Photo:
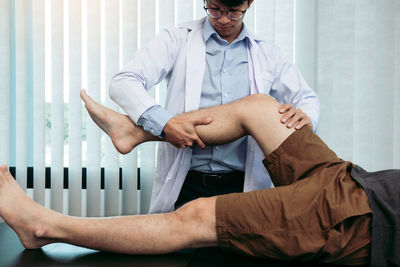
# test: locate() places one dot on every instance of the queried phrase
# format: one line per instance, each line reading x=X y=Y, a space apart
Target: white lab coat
x=178 y=55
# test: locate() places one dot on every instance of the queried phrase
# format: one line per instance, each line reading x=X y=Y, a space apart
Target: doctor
x=208 y=62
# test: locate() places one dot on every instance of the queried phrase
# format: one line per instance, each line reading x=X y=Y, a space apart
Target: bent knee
x=258 y=104
x=262 y=100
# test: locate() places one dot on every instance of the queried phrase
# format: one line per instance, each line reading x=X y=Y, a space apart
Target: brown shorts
x=317 y=211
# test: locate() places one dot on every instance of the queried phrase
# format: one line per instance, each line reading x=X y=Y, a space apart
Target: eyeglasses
x=216 y=13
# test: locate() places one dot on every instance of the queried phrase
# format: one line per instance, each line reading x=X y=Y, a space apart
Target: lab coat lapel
x=254 y=68
x=195 y=67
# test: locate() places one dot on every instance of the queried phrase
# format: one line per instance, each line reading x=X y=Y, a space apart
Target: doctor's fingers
x=284 y=108
x=288 y=114
x=302 y=123
x=202 y=121
x=191 y=141
x=199 y=142
x=299 y=120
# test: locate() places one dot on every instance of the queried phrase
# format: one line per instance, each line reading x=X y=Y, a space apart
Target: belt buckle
x=216 y=177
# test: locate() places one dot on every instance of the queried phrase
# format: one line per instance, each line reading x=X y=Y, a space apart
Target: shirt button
x=152 y=131
x=226 y=94
x=217 y=147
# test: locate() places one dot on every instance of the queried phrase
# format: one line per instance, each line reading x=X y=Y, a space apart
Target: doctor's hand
x=294 y=117
x=180 y=130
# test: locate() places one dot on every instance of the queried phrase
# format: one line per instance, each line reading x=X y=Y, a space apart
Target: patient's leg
x=193 y=225
x=256 y=115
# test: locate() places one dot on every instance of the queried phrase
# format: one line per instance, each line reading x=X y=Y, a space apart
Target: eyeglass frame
x=224 y=11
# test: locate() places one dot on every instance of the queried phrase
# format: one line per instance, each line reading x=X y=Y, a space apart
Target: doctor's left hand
x=294 y=117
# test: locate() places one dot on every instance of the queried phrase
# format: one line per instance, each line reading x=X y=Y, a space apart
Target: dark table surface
x=12 y=253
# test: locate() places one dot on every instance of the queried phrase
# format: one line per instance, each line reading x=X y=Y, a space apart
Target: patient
x=321 y=209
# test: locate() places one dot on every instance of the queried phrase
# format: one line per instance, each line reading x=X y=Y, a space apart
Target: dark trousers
x=198 y=184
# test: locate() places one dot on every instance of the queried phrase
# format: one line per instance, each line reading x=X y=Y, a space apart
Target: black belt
x=215 y=179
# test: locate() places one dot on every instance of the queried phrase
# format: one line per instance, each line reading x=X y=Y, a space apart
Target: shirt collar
x=209 y=31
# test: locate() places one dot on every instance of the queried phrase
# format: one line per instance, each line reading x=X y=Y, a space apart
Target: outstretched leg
x=256 y=115
x=191 y=226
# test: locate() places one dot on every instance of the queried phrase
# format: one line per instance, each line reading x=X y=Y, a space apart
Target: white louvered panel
x=129 y=183
x=184 y=11
x=306 y=43
x=396 y=99
x=166 y=14
x=198 y=9
x=147 y=150
x=39 y=108
x=21 y=89
x=284 y=27
x=93 y=89
x=111 y=64
x=57 y=105
x=5 y=81
x=250 y=18
x=364 y=79
x=343 y=77
x=325 y=67
x=384 y=84
x=265 y=19
x=75 y=108
x=129 y=11
x=166 y=20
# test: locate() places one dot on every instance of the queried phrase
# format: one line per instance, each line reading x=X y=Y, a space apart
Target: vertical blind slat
x=396 y=99
x=147 y=150
x=325 y=67
x=166 y=14
x=265 y=22
x=39 y=143
x=111 y=67
x=93 y=88
x=199 y=10
x=166 y=20
x=384 y=84
x=250 y=18
x=57 y=105
x=305 y=39
x=364 y=79
x=21 y=84
x=75 y=108
x=184 y=11
x=343 y=76
x=130 y=29
x=5 y=81
x=284 y=27
x=129 y=183
x=129 y=162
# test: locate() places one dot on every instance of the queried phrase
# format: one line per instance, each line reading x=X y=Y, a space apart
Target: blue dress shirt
x=225 y=80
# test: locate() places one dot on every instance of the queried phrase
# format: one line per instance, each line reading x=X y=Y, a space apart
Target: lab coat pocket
x=267 y=80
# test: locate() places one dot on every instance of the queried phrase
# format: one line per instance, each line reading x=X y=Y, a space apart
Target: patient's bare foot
x=124 y=133
x=27 y=218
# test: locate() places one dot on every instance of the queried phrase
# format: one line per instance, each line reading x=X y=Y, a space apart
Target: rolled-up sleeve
x=151 y=64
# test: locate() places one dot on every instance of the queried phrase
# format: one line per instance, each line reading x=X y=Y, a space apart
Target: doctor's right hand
x=180 y=131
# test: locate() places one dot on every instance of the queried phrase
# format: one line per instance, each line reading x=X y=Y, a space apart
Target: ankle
x=42 y=232
x=48 y=229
